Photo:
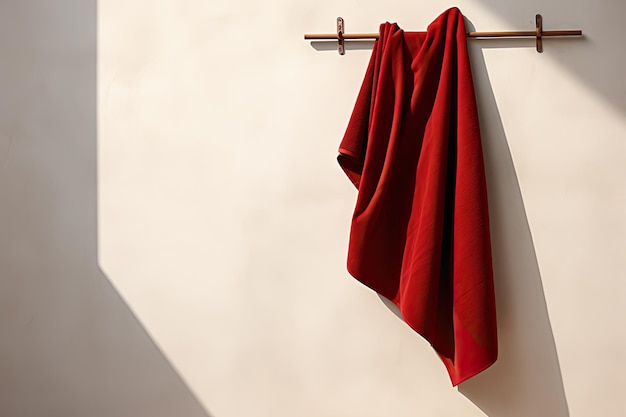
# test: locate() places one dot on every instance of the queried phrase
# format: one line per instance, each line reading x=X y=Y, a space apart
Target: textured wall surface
x=174 y=225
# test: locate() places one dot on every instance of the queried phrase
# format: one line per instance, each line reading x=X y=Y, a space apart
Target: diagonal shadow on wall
x=69 y=345
x=596 y=60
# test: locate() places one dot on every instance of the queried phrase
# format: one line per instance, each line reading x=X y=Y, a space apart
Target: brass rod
x=524 y=33
x=345 y=36
x=512 y=34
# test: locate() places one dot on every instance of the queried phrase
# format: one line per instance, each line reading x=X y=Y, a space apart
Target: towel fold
x=420 y=229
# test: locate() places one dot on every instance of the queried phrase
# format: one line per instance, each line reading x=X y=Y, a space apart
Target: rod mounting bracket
x=539 y=29
x=340 y=31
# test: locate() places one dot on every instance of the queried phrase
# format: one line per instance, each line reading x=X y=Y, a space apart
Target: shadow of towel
x=526 y=380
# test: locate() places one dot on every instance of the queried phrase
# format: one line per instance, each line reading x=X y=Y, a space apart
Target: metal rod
x=321 y=36
x=538 y=34
x=512 y=34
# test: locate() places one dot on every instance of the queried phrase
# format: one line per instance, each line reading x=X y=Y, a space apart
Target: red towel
x=420 y=230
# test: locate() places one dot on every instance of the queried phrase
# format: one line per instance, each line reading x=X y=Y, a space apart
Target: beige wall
x=223 y=217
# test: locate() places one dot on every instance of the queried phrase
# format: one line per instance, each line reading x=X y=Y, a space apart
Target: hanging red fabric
x=420 y=229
